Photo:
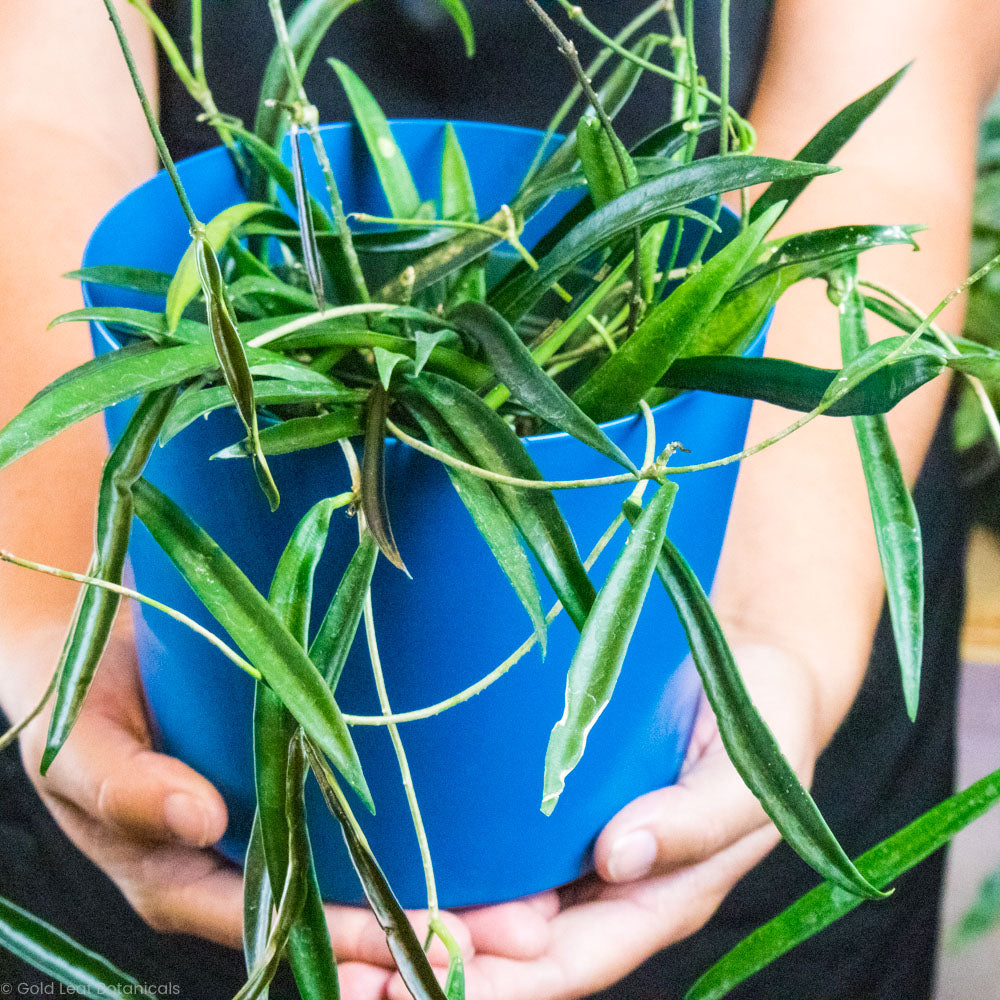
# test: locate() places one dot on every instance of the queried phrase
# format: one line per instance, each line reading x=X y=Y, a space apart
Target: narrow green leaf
x=336 y=333
x=600 y=160
x=186 y=281
x=310 y=252
x=458 y=197
x=748 y=741
x=108 y=379
x=273 y=294
x=826 y=143
x=373 y=488
x=669 y=139
x=894 y=516
x=732 y=326
x=50 y=951
x=385 y=363
x=97 y=609
x=292 y=585
x=446 y=259
x=802 y=387
x=198 y=402
x=403 y=943
x=613 y=94
x=394 y=174
x=257 y=899
x=244 y=263
x=310 y=951
x=597 y=662
x=616 y=387
x=651 y=201
x=827 y=903
x=983 y=366
x=300 y=433
x=138 y=321
x=134 y=279
x=517 y=369
x=494 y=446
x=816 y=253
x=458 y=202
x=426 y=342
x=460 y=15
x=490 y=517
x=295 y=888
x=232 y=357
x=872 y=360
x=646 y=168
x=247 y=617
x=340 y=624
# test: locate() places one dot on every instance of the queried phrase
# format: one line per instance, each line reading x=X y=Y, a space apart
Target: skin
x=799 y=519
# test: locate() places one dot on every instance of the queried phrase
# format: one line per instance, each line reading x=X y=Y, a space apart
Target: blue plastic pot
x=477 y=768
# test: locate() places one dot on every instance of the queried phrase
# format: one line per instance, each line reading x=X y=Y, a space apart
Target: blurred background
x=970 y=947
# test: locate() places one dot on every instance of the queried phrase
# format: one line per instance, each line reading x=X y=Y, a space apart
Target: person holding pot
x=122 y=859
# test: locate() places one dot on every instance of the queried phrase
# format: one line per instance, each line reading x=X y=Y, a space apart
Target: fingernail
x=185 y=818
x=632 y=856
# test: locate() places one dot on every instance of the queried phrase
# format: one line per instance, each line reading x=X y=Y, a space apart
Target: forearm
x=73 y=142
x=800 y=568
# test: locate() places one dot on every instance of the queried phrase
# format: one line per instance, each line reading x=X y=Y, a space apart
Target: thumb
x=108 y=770
x=686 y=823
x=710 y=807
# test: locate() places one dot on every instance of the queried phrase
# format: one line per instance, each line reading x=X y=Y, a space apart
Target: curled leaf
x=373 y=499
x=232 y=357
x=604 y=641
x=749 y=742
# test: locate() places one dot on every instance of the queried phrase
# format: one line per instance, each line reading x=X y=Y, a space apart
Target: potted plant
x=298 y=307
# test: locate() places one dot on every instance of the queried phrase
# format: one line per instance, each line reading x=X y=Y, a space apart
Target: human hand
x=664 y=863
x=148 y=820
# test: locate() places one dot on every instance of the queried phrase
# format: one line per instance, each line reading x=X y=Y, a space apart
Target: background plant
x=342 y=327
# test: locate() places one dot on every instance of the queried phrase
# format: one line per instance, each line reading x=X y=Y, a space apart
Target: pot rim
x=556 y=138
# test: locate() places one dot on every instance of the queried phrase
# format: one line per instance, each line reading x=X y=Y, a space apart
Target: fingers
x=356 y=936
x=710 y=807
x=108 y=771
x=683 y=824
x=518 y=930
x=362 y=982
x=595 y=944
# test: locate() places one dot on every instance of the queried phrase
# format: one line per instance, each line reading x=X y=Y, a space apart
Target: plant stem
x=404 y=767
x=725 y=55
x=154 y=127
x=575 y=13
x=523 y=649
x=724 y=115
x=509 y=233
x=197 y=52
x=925 y=325
x=134 y=595
x=194 y=82
x=652 y=472
x=15 y=730
x=613 y=45
x=568 y=49
x=311 y=123
x=989 y=410
x=322 y=316
x=494 y=675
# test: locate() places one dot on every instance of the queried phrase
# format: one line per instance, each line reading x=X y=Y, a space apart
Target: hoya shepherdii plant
x=578 y=332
